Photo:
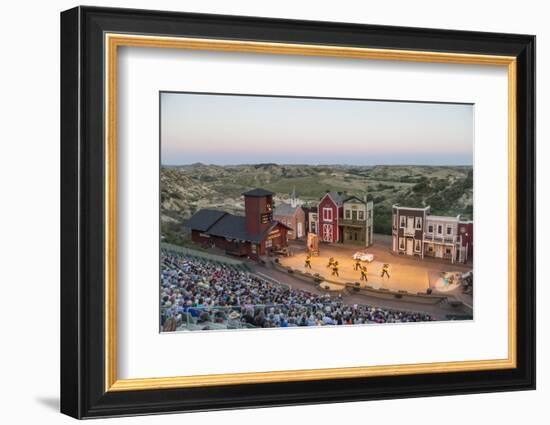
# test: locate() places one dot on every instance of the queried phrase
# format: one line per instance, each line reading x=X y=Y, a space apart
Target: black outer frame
x=82 y=219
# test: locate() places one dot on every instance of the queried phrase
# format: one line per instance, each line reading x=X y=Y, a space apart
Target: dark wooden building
x=253 y=235
x=415 y=231
x=408 y=226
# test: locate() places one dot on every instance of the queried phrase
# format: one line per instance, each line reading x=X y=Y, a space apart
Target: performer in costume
x=308 y=262
x=335 y=269
x=364 y=273
x=385 y=270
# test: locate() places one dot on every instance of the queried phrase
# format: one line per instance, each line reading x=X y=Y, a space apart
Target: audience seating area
x=202 y=294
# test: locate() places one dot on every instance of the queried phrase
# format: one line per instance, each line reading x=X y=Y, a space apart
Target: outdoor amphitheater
x=199 y=291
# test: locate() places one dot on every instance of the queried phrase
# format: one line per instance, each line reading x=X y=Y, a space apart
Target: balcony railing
x=446 y=239
x=352 y=222
x=407 y=231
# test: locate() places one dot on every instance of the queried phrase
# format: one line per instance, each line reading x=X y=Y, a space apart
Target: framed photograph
x=261 y=212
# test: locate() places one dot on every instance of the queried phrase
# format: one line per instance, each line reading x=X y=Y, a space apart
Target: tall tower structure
x=258 y=210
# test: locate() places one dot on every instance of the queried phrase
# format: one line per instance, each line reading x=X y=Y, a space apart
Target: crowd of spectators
x=203 y=292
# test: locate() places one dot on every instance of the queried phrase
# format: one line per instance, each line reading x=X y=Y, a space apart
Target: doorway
x=409 y=246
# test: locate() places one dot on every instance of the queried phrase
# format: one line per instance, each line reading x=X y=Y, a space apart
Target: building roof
x=354 y=198
x=442 y=217
x=285 y=209
x=202 y=220
x=276 y=222
x=412 y=207
x=337 y=197
x=231 y=226
x=258 y=193
x=227 y=226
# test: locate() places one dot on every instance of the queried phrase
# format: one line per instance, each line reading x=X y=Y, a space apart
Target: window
x=268 y=243
x=417 y=245
x=449 y=229
x=361 y=215
x=448 y=251
x=410 y=225
x=430 y=228
x=313 y=217
x=327 y=214
x=430 y=248
x=402 y=221
x=402 y=244
x=418 y=224
x=348 y=214
x=439 y=229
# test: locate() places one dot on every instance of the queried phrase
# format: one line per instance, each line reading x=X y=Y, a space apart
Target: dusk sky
x=228 y=129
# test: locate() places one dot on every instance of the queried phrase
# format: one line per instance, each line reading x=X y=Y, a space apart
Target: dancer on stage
x=385 y=270
x=335 y=269
x=364 y=273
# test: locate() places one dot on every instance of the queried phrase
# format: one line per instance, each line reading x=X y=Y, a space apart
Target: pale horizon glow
x=239 y=129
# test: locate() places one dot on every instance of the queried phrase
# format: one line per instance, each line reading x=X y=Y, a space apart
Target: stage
x=406 y=273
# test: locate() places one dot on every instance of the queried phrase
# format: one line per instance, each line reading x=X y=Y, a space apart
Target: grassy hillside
x=185 y=189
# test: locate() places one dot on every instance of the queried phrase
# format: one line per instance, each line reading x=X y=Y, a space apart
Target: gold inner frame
x=113 y=41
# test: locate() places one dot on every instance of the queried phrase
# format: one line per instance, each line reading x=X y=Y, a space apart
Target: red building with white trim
x=342 y=218
x=329 y=211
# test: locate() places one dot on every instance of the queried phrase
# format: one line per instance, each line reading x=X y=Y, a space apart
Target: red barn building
x=253 y=235
x=329 y=213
